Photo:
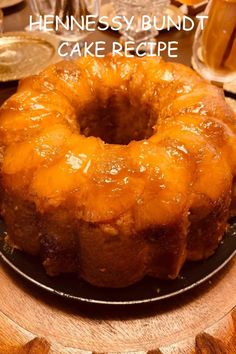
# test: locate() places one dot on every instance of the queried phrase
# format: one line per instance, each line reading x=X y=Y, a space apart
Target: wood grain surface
x=200 y=319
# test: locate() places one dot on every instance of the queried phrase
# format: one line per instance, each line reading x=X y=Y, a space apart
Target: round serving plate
x=146 y=291
x=23 y=54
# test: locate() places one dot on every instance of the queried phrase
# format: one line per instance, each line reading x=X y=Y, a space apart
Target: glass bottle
x=214 y=48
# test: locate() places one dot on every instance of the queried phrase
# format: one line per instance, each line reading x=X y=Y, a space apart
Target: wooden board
x=169 y=327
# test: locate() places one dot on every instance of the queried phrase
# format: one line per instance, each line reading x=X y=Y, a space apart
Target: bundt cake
x=117 y=168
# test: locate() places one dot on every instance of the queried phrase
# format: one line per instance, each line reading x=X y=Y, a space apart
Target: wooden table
x=202 y=319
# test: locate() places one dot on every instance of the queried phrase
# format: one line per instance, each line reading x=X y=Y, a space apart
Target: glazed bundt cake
x=117 y=168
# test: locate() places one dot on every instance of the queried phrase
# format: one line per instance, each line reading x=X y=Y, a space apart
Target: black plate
x=147 y=290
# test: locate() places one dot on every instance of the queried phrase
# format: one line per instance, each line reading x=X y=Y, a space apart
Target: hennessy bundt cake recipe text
x=116 y=168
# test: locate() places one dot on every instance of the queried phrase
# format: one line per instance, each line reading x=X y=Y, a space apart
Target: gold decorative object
x=23 y=54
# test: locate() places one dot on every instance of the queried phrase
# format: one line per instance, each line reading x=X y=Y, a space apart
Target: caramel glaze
x=116 y=168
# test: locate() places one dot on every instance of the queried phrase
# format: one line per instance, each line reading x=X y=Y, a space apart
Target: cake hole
x=117 y=120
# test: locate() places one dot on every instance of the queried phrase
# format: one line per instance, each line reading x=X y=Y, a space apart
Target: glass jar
x=69 y=12
x=214 y=48
x=136 y=9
